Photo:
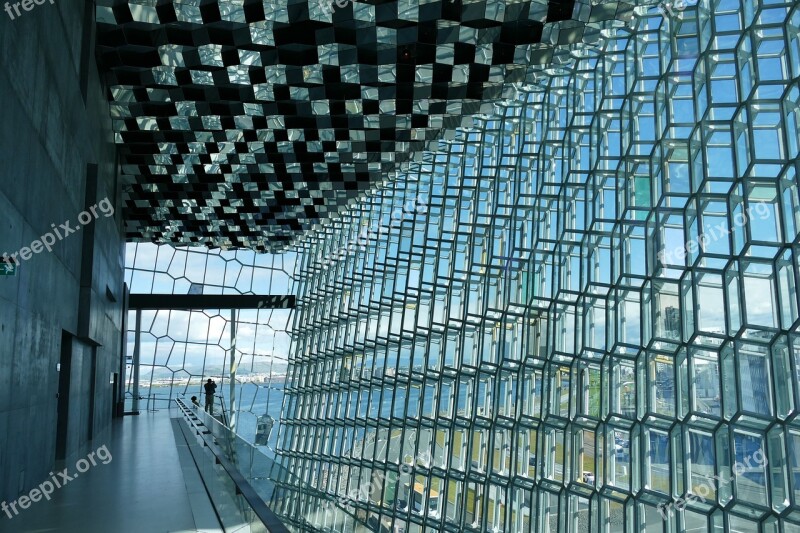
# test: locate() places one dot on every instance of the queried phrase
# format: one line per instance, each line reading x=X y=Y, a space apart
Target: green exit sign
x=8 y=268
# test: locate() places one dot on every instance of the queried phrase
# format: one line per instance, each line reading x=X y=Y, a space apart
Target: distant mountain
x=217 y=370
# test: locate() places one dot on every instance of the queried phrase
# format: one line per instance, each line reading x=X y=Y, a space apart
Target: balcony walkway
x=151 y=485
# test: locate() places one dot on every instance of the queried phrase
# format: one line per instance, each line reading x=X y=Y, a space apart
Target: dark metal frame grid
x=218 y=272
x=534 y=289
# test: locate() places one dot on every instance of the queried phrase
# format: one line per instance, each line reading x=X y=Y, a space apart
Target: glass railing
x=237 y=505
x=293 y=504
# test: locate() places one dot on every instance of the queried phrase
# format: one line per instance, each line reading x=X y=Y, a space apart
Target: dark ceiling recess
x=245 y=125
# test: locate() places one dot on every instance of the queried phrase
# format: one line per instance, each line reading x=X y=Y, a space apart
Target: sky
x=187 y=339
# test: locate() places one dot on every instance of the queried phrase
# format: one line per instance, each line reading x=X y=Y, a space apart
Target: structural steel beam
x=210 y=301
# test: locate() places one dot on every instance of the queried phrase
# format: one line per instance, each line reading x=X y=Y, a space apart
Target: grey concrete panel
x=48 y=136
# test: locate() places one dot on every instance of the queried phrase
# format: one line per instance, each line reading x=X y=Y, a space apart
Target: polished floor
x=150 y=485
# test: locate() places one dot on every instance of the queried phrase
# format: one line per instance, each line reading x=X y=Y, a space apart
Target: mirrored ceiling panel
x=244 y=124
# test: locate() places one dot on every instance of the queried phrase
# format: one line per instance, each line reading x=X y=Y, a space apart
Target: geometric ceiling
x=243 y=124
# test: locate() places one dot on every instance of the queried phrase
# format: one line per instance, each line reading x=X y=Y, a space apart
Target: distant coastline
x=255 y=378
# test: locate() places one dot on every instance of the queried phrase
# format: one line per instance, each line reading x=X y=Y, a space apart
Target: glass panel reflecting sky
x=583 y=315
x=180 y=349
x=578 y=314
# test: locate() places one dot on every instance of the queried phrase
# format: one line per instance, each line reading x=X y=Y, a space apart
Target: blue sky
x=185 y=339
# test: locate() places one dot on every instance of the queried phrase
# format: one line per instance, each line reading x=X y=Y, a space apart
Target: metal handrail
x=270 y=520
x=284 y=479
x=224 y=413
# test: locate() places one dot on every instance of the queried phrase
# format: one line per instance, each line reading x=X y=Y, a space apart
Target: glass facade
x=580 y=314
x=180 y=349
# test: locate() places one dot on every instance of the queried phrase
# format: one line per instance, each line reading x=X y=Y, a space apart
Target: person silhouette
x=211 y=388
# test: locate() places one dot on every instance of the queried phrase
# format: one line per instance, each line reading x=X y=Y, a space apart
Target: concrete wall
x=54 y=132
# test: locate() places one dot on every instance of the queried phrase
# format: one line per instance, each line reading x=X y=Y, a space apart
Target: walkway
x=142 y=489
